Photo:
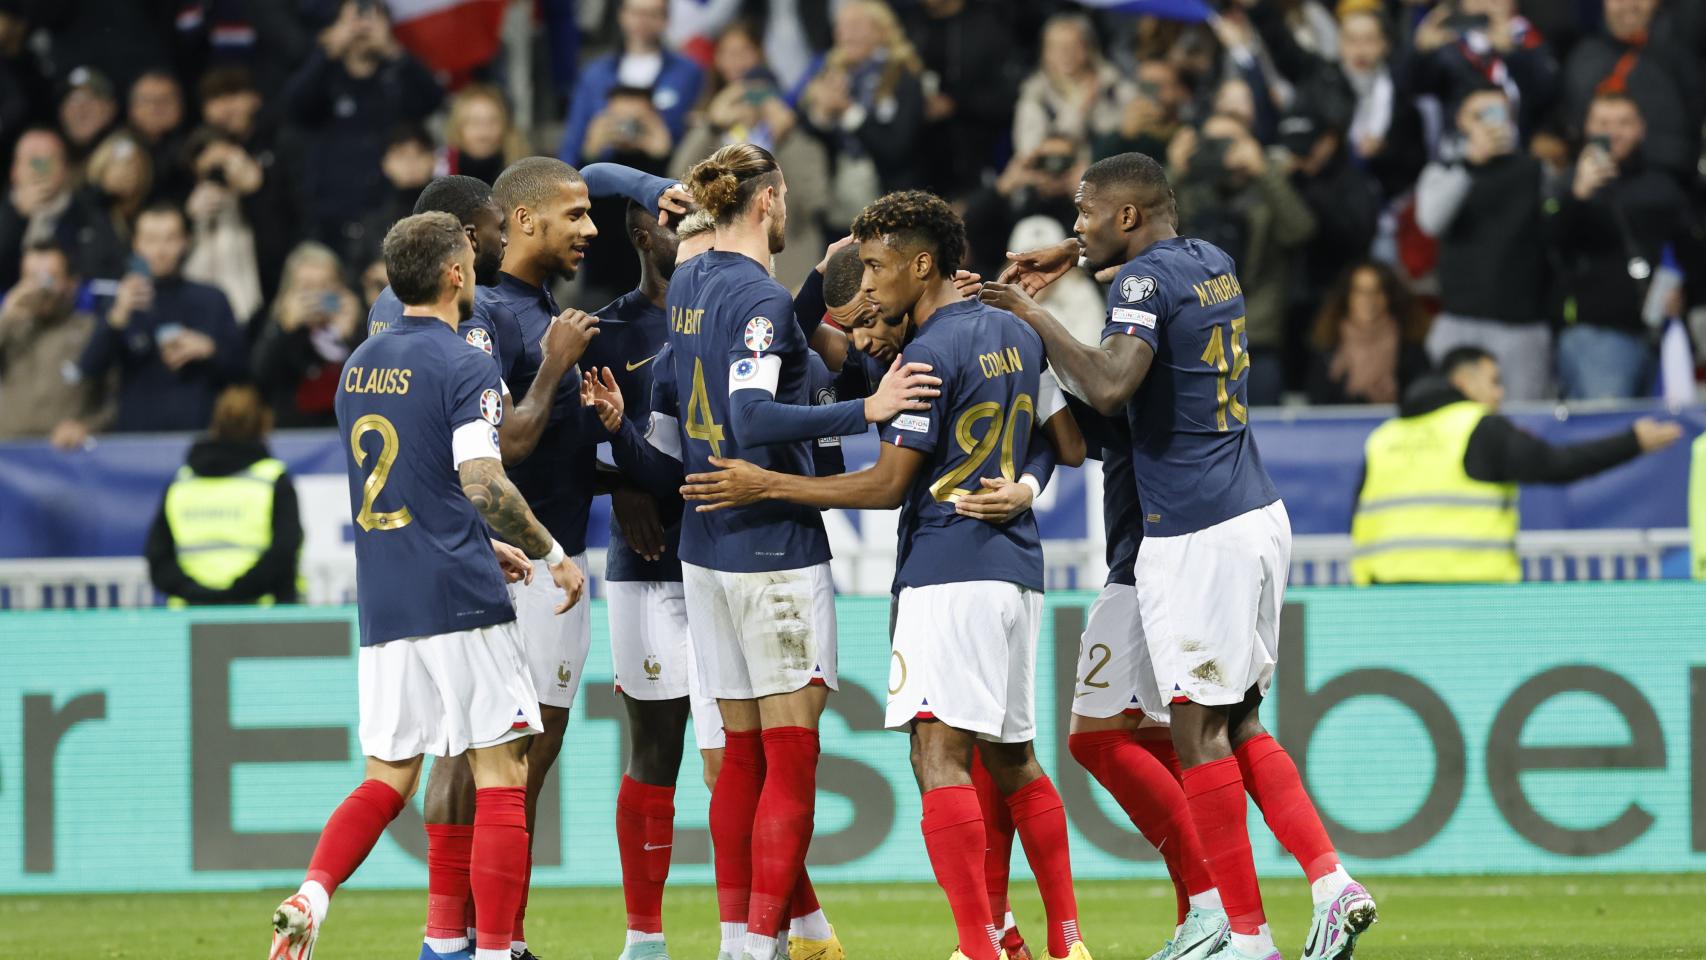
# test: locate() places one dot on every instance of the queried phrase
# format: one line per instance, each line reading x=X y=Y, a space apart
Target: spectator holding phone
x=222 y=246
x=1151 y=117
x=1644 y=53
x=173 y=341
x=1483 y=204
x=316 y=321
x=1039 y=182
x=1467 y=44
x=42 y=333
x=42 y=205
x=630 y=131
x=644 y=62
x=1385 y=133
x=1610 y=230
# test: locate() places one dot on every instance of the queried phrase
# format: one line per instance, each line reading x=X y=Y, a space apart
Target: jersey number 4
x=698 y=423
x=389 y=446
x=950 y=486
x=1225 y=385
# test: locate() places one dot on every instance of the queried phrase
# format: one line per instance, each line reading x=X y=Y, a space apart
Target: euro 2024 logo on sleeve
x=491 y=407
x=1137 y=289
x=760 y=333
x=478 y=337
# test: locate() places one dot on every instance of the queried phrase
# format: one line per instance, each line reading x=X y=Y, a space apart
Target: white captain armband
x=664 y=434
x=474 y=440
x=755 y=373
x=1050 y=398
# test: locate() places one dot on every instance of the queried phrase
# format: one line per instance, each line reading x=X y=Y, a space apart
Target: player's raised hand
x=823 y=264
x=736 y=484
x=1000 y=501
x=1011 y=297
x=567 y=574
x=513 y=562
x=637 y=517
x=1036 y=269
x=676 y=200
x=905 y=387
x=968 y=283
x=600 y=392
x=569 y=335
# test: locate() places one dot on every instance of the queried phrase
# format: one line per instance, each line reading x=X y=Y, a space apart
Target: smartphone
x=1496 y=114
x=329 y=303
x=139 y=265
x=166 y=333
x=1211 y=154
x=1601 y=143
x=1466 y=22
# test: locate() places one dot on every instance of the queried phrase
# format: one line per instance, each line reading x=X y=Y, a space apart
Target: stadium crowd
x=198 y=188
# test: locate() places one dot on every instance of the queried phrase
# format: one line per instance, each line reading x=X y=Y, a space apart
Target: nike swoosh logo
x=1314 y=942
x=657 y=846
x=635 y=366
x=1193 y=946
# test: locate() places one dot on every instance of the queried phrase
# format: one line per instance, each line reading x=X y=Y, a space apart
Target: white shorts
x=1210 y=602
x=1114 y=672
x=652 y=650
x=966 y=654
x=445 y=694
x=556 y=645
x=759 y=634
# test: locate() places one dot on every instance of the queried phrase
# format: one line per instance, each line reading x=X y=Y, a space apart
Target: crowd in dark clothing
x=1394 y=178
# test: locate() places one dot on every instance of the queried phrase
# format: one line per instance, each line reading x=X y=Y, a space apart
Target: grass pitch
x=1450 y=918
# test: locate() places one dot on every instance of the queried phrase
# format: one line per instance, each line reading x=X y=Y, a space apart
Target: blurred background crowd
x=197 y=188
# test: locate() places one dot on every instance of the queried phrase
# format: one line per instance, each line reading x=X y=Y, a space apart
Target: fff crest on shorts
x=1137 y=289
x=478 y=337
x=760 y=334
x=491 y=407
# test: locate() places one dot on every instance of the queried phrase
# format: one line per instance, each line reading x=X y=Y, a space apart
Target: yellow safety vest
x=1420 y=518
x=222 y=525
x=1697 y=507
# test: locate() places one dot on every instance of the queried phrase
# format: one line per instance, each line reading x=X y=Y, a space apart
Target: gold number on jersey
x=389 y=446
x=978 y=449
x=1215 y=355
x=698 y=423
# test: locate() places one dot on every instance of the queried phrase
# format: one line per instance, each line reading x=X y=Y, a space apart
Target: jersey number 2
x=1225 y=388
x=948 y=486
x=389 y=446
x=698 y=423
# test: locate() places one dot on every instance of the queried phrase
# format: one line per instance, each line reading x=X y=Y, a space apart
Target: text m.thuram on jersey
x=1218 y=289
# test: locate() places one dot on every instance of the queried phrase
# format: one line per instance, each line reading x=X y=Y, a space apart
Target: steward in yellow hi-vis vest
x=228 y=529
x=1439 y=495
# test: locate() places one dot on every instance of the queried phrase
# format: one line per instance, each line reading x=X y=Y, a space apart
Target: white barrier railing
x=1316 y=560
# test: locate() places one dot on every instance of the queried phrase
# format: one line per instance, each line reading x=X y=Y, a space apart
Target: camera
x=1053 y=164
x=628 y=129
x=216 y=175
x=1211 y=154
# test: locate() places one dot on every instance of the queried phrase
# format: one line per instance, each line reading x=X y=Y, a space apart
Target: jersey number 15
x=1225 y=385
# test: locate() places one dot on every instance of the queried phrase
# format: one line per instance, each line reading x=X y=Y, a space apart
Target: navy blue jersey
x=631 y=331
x=557 y=477
x=1122 y=514
x=729 y=318
x=979 y=427
x=423 y=562
x=1192 y=451
x=387 y=310
x=824 y=388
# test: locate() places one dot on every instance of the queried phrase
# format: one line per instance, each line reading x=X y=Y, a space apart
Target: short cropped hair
x=915 y=220
x=531 y=182
x=459 y=196
x=416 y=249
x=1457 y=358
x=1136 y=177
x=843 y=275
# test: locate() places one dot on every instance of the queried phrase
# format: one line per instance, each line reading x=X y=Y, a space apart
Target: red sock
x=1275 y=785
x=518 y=931
x=782 y=825
x=351 y=831
x=1040 y=818
x=499 y=868
x=734 y=800
x=997 y=840
x=803 y=901
x=645 y=825
x=953 y=836
x=449 y=847
x=1145 y=789
x=1161 y=748
x=1218 y=808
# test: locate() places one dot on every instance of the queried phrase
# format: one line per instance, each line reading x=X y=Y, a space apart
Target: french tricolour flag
x=1193 y=11
x=449 y=36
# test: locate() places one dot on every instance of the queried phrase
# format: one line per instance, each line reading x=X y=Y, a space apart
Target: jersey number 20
x=389 y=446
x=1000 y=430
x=1215 y=355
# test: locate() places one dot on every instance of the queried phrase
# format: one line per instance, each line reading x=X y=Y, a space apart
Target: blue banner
x=99 y=501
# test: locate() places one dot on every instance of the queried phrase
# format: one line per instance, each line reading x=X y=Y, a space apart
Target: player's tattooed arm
x=503 y=506
x=1105 y=376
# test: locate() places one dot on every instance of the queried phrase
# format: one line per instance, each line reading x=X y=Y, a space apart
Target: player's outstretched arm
x=506 y=511
x=882 y=486
x=1105 y=376
x=524 y=423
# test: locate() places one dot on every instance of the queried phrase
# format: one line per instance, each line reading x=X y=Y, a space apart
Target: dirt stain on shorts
x=1208 y=672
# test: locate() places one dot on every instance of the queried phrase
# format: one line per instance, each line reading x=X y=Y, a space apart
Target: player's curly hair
x=919 y=221
x=724 y=183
